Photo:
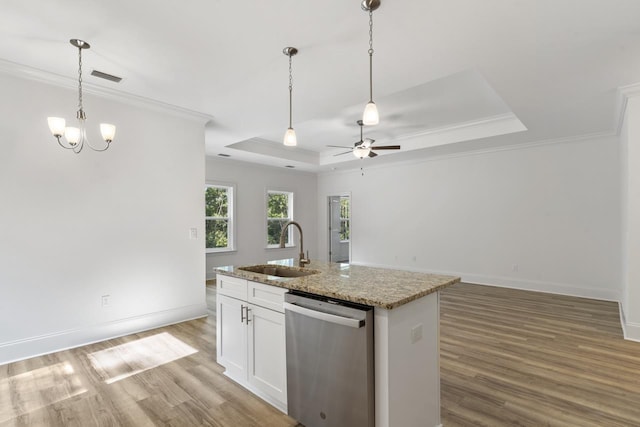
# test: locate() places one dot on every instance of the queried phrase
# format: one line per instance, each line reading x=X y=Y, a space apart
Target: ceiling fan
x=364 y=147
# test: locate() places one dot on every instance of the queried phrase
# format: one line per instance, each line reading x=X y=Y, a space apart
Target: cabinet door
x=267 y=370
x=231 y=336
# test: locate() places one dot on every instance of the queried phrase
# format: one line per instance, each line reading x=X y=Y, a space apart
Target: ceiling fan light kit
x=76 y=137
x=361 y=151
x=364 y=147
x=290 y=139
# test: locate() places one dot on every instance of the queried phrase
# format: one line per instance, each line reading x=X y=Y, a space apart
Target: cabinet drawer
x=232 y=286
x=267 y=296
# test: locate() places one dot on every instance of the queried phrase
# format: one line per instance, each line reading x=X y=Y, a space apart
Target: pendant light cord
x=290 y=91
x=370 y=56
x=80 y=109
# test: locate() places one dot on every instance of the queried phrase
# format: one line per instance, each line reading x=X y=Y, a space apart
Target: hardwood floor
x=512 y=357
x=164 y=377
x=508 y=358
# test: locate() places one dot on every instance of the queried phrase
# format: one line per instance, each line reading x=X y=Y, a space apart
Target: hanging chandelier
x=76 y=137
x=370 y=115
x=290 y=135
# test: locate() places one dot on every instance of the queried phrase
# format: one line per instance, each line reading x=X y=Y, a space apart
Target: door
x=339 y=228
x=267 y=369
x=231 y=339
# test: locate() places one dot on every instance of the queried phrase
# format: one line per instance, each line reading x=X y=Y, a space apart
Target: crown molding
x=622 y=98
x=35 y=74
x=478 y=152
x=506 y=120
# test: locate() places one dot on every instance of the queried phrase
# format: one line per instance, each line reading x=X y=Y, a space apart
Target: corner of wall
x=630 y=330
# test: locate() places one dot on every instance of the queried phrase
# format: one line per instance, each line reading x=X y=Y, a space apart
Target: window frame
x=231 y=226
x=290 y=212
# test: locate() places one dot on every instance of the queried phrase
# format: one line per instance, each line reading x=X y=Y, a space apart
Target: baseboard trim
x=14 y=351
x=516 y=283
x=547 y=287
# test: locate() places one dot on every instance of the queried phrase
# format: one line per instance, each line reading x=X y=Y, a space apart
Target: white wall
x=630 y=160
x=76 y=227
x=252 y=182
x=545 y=217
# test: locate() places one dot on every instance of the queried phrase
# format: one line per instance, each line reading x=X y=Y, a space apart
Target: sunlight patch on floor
x=122 y=361
x=36 y=389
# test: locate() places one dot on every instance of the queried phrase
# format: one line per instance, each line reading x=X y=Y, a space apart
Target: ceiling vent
x=106 y=76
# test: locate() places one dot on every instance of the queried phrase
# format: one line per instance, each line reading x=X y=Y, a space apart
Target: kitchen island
x=406 y=331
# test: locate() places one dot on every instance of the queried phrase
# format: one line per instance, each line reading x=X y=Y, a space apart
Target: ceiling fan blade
x=372 y=154
x=386 y=147
x=340 y=154
x=338 y=146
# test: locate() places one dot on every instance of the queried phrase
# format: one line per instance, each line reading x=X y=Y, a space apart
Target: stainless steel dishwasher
x=330 y=368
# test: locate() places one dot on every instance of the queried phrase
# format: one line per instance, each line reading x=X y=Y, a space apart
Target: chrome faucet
x=303 y=261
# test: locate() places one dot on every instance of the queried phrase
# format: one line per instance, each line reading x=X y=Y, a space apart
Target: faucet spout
x=302 y=261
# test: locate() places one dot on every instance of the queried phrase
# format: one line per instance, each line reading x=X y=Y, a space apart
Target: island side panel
x=407 y=366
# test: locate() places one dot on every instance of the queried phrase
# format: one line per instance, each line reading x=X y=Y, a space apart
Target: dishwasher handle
x=327 y=317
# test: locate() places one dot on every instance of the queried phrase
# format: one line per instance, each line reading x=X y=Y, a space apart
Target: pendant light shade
x=290 y=139
x=370 y=115
x=56 y=125
x=108 y=131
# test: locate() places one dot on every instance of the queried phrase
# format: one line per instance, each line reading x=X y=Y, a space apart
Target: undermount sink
x=278 y=270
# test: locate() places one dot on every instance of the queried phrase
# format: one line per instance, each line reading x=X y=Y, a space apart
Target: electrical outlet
x=515 y=267
x=106 y=300
x=193 y=233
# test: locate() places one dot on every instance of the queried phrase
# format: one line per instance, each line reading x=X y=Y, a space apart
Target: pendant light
x=290 y=135
x=370 y=115
x=77 y=136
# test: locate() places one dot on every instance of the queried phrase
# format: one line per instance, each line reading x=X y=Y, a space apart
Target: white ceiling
x=458 y=74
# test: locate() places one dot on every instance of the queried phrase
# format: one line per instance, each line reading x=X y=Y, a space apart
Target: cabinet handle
x=242 y=307
x=248 y=310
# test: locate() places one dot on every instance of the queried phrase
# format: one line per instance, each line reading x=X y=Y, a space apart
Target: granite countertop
x=378 y=287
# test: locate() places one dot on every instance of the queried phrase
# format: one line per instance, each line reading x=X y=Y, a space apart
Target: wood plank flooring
x=508 y=358
x=511 y=357
x=164 y=377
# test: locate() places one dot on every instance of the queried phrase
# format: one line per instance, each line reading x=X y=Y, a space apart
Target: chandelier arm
x=58 y=138
x=78 y=148
x=88 y=142
x=97 y=149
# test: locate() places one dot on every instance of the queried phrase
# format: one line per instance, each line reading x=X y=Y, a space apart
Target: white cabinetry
x=250 y=341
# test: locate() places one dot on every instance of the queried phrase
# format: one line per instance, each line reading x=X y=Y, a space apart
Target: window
x=219 y=218
x=279 y=212
x=345 y=219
